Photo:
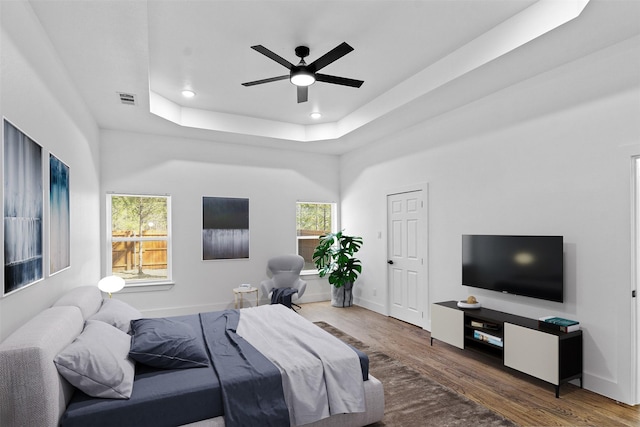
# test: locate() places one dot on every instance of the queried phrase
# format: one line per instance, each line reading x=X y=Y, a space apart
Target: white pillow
x=117 y=313
x=97 y=362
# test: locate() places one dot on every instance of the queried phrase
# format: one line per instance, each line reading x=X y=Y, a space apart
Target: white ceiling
x=404 y=51
x=206 y=46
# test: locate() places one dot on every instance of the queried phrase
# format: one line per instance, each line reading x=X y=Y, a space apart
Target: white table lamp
x=111 y=284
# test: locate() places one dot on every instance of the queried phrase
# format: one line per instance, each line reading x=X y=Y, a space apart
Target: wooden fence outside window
x=125 y=256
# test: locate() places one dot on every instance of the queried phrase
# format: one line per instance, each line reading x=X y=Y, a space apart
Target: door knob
x=390 y=261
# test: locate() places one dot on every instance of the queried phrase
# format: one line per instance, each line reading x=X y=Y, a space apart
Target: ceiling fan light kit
x=303 y=75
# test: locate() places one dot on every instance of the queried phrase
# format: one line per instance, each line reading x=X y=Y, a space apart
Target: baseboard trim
x=323 y=296
x=370 y=305
x=603 y=386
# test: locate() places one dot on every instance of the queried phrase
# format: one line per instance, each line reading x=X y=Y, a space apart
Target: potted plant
x=334 y=256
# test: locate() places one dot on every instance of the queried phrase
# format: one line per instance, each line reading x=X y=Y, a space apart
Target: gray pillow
x=117 y=313
x=87 y=298
x=166 y=343
x=97 y=362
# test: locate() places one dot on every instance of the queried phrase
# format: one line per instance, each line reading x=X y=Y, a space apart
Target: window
x=312 y=221
x=139 y=237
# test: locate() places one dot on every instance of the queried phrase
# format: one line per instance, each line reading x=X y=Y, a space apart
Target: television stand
x=518 y=342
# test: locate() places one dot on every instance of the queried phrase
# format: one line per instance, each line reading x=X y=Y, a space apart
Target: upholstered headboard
x=32 y=393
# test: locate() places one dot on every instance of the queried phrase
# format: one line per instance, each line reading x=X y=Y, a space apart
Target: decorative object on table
x=23 y=210
x=554 y=323
x=334 y=257
x=470 y=302
x=111 y=284
x=59 y=220
x=285 y=274
x=225 y=228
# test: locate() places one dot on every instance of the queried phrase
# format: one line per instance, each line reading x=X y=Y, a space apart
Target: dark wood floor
x=518 y=397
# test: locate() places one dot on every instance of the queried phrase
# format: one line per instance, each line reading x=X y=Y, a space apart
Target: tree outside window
x=312 y=221
x=140 y=237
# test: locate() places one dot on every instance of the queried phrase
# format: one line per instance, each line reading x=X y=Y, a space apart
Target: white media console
x=552 y=356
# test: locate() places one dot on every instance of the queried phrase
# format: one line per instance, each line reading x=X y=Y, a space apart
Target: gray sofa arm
x=32 y=393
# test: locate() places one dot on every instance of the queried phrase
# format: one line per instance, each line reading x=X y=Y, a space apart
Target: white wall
x=549 y=156
x=187 y=169
x=37 y=97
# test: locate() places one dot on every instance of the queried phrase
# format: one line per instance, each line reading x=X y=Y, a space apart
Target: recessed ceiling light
x=315 y=115
x=188 y=93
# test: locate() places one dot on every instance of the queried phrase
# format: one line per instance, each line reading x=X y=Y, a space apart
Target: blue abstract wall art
x=59 y=221
x=23 y=209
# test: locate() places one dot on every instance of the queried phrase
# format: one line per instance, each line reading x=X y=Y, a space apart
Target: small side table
x=240 y=292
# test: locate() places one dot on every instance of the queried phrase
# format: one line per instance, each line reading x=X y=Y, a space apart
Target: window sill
x=147 y=287
x=309 y=273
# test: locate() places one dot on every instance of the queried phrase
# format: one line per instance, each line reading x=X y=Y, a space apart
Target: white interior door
x=405 y=225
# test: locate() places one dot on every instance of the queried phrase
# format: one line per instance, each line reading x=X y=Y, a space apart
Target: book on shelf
x=483 y=325
x=554 y=323
x=491 y=339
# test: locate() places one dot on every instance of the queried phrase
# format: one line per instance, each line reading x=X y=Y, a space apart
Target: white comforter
x=321 y=375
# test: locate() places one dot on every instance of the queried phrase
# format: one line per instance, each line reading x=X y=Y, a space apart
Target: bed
x=35 y=391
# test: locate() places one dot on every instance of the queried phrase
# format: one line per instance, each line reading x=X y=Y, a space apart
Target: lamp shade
x=111 y=284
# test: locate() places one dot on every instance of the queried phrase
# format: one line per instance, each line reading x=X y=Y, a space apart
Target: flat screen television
x=531 y=266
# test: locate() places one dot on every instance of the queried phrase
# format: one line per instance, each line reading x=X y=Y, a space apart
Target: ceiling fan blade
x=303 y=93
x=333 y=55
x=269 y=80
x=338 y=80
x=266 y=52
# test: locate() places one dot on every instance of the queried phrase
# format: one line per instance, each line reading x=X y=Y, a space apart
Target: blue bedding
x=166 y=397
x=160 y=397
x=252 y=392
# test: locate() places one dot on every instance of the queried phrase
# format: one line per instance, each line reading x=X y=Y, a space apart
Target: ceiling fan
x=303 y=75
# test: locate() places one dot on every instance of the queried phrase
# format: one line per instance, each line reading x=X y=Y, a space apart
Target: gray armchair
x=285 y=273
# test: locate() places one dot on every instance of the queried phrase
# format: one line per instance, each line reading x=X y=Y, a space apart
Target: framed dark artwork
x=225 y=228
x=23 y=210
x=59 y=221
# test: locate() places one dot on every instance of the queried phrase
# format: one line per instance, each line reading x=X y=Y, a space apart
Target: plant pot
x=342 y=296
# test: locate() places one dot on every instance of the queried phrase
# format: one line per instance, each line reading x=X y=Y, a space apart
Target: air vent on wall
x=127 y=98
